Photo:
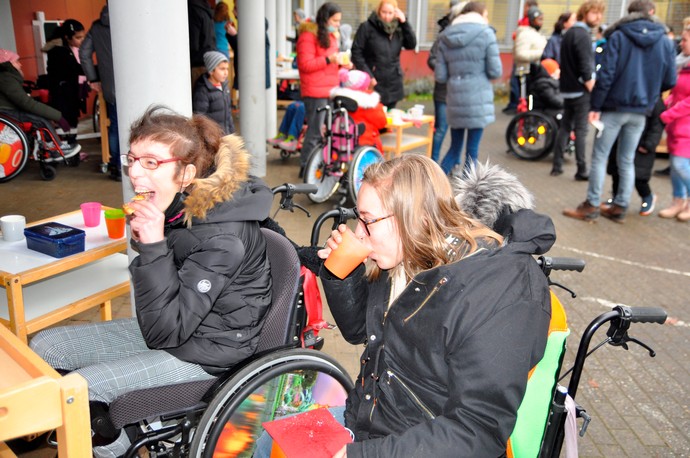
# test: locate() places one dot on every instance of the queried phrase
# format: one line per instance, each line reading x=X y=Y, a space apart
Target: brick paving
x=639 y=404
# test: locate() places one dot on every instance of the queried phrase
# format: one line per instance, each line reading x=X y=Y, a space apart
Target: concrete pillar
x=252 y=80
x=272 y=92
x=151 y=60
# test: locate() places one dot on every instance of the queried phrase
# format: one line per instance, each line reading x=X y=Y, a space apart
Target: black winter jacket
x=202 y=32
x=545 y=90
x=577 y=59
x=203 y=292
x=14 y=98
x=445 y=368
x=378 y=54
x=213 y=102
x=63 y=80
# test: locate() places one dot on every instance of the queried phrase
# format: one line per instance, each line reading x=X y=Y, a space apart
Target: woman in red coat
x=355 y=85
x=317 y=62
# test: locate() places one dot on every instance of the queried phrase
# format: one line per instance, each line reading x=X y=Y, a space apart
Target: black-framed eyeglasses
x=369 y=222
x=147 y=162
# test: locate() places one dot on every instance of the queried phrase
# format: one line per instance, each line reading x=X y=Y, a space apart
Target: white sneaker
x=67 y=150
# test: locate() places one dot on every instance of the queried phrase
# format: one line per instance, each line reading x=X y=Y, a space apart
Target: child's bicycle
x=531 y=134
x=339 y=162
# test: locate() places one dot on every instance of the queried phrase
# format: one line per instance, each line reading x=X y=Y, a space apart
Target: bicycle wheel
x=14 y=149
x=363 y=158
x=531 y=135
x=319 y=173
x=276 y=385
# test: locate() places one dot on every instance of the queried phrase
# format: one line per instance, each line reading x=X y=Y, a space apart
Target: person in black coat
x=64 y=70
x=377 y=46
x=544 y=87
x=211 y=96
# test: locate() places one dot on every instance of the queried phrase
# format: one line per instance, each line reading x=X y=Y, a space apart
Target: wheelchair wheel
x=48 y=172
x=363 y=158
x=96 y=118
x=316 y=172
x=531 y=135
x=14 y=149
x=278 y=384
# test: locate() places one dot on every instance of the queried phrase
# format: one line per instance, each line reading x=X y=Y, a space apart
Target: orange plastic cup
x=115 y=223
x=349 y=254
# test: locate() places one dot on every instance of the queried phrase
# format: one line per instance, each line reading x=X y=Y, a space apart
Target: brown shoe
x=678 y=206
x=615 y=213
x=585 y=211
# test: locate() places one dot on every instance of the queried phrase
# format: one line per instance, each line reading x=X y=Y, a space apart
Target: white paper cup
x=13 y=227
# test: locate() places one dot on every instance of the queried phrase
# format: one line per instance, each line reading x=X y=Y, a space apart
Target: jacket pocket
x=398 y=385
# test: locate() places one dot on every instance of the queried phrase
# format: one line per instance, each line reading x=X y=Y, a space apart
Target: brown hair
x=221 y=13
x=194 y=140
x=474 y=7
x=590 y=5
x=415 y=190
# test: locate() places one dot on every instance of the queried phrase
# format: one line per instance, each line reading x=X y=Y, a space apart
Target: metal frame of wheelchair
x=190 y=418
x=332 y=167
x=21 y=140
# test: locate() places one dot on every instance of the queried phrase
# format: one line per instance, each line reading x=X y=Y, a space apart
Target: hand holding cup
x=343 y=252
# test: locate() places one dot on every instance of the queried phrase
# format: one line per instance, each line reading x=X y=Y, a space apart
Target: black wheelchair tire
x=357 y=166
x=530 y=122
x=229 y=397
x=328 y=184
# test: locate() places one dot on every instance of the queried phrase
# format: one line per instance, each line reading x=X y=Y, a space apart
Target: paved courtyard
x=639 y=405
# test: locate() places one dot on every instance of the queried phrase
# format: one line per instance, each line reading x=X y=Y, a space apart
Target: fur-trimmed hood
x=498 y=200
x=52 y=44
x=308 y=26
x=229 y=193
x=363 y=99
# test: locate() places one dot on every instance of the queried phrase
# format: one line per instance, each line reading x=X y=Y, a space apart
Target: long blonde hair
x=415 y=190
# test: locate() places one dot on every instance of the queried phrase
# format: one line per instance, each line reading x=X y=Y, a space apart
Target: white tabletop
x=15 y=257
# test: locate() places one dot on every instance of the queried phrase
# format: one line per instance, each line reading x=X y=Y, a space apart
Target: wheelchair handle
x=548 y=264
x=291 y=189
x=339 y=215
x=642 y=314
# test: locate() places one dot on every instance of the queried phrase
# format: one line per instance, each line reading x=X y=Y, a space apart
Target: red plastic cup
x=92 y=213
x=115 y=223
x=349 y=254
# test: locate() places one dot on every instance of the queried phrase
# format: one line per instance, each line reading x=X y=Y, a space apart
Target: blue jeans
x=457 y=138
x=680 y=176
x=630 y=127
x=440 y=129
x=293 y=120
x=113 y=136
x=314 y=122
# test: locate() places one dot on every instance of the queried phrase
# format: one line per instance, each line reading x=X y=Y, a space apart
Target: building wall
x=23 y=13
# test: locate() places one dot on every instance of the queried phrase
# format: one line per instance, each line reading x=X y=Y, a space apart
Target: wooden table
x=34 y=398
x=42 y=290
x=397 y=141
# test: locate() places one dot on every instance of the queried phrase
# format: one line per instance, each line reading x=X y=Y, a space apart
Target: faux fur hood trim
x=363 y=99
x=473 y=17
x=232 y=165
x=632 y=17
x=308 y=26
x=487 y=192
x=51 y=44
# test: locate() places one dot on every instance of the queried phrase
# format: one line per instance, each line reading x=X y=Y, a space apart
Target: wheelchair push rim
x=317 y=172
x=211 y=433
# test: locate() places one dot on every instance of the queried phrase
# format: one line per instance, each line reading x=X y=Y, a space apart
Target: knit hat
x=354 y=79
x=212 y=59
x=8 y=56
x=550 y=65
x=532 y=13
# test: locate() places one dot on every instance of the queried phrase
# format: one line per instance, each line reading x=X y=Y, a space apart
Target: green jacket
x=13 y=97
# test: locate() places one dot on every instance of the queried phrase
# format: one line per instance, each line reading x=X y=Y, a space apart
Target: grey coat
x=467 y=59
x=98 y=41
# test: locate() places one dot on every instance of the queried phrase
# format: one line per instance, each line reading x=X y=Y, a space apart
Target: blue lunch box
x=55 y=239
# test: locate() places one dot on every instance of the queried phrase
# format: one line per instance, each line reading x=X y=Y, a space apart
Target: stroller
x=339 y=163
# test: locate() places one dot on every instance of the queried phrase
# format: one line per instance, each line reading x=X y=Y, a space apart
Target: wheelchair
x=224 y=415
x=531 y=134
x=20 y=141
x=339 y=163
